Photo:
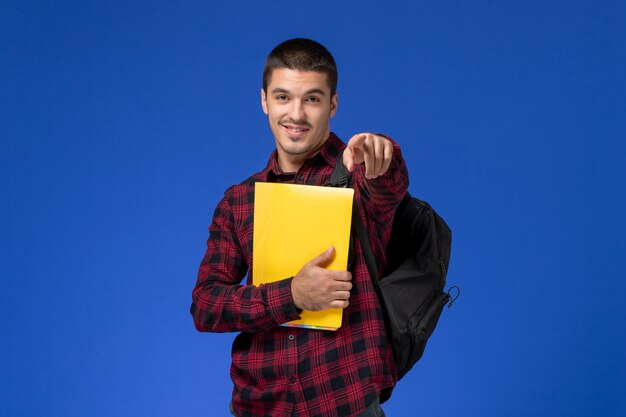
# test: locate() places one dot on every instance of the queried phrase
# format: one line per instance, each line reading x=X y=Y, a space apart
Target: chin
x=291 y=150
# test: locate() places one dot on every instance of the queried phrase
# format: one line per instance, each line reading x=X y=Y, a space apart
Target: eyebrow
x=311 y=91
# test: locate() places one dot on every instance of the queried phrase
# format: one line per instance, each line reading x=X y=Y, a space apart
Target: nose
x=296 y=111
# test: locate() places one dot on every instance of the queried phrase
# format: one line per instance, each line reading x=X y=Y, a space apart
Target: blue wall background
x=122 y=123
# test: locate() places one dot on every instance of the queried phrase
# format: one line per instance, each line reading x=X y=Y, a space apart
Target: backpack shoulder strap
x=340 y=175
x=340 y=178
x=368 y=256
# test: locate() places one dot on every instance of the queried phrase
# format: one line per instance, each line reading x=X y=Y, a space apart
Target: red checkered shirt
x=277 y=370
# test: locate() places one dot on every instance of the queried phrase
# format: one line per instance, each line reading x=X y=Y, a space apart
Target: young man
x=284 y=371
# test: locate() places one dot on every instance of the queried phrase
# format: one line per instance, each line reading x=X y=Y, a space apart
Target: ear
x=264 y=101
x=334 y=103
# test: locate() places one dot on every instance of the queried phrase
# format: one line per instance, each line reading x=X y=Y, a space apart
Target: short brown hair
x=301 y=54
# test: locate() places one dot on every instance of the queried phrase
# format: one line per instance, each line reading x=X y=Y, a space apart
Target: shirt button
x=300 y=178
x=291 y=337
x=293 y=379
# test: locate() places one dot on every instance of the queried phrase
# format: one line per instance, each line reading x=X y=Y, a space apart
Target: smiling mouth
x=296 y=130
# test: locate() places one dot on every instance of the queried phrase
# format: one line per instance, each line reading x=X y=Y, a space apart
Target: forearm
x=219 y=307
x=220 y=303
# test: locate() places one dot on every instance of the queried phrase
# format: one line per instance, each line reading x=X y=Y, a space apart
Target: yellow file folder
x=292 y=225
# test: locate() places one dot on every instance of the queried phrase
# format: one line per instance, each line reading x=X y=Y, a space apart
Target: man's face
x=299 y=107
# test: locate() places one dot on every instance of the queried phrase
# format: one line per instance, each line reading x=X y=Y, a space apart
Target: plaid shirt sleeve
x=379 y=198
x=220 y=302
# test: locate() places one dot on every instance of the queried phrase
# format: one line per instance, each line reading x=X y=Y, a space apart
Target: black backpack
x=411 y=292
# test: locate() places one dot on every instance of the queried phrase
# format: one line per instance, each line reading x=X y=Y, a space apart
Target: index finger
x=357 y=141
x=342 y=276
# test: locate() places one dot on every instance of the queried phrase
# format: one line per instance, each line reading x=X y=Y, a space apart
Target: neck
x=290 y=164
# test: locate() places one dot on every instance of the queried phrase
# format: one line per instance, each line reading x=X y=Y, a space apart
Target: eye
x=313 y=99
x=281 y=97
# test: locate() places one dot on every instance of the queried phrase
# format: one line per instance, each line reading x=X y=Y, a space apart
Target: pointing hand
x=373 y=150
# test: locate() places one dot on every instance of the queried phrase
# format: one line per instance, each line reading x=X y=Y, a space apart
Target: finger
x=369 y=157
x=348 y=160
x=353 y=155
x=341 y=286
x=323 y=257
x=342 y=295
x=387 y=156
x=339 y=304
x=357 y=141
x=379 y=155
x=342 y=276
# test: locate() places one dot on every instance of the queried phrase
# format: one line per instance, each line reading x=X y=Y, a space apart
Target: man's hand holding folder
x=316 y=288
